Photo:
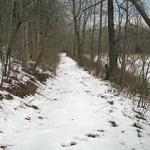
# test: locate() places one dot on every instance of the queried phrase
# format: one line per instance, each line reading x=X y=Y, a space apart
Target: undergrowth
x=14 y=85
x=127 y=82
x=134 y=87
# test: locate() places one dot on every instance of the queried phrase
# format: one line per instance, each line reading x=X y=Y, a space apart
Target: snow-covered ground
x=76 y=112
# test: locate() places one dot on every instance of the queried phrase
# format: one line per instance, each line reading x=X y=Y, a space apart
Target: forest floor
x=74 y=111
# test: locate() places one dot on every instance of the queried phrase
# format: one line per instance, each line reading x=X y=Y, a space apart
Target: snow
x=136 y=64
x=76 y=112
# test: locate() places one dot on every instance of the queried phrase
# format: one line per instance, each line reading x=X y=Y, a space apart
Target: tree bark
x=93 y=32
x=26 y=43
x=100 y=39
x=77 y=31
x=112 y=51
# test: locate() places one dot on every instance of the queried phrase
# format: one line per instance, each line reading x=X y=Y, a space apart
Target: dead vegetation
x=22 y=89
x=133 y=85
x=123 y=82
x=17 y=87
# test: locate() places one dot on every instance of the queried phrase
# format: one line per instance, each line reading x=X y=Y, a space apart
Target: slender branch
x=93 y=5
x=141 y=10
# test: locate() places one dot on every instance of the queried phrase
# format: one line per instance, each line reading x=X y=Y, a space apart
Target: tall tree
x=100 y=37
x=111 y=30
x=93 y=34
x=14 y=27
x=80 y=19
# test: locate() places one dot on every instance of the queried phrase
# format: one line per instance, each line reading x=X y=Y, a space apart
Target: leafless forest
x=40 y=42
x=111 y=38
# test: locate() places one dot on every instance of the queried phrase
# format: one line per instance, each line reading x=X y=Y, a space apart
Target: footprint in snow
x=110 y=102
x=113 y=123
x=28 y=118
x=98 y=95
x=123 y=144
x=88 y=91
x=93 y=135
x=111 y=111
x=102 y=96
x=101 y=130
x=69 y=143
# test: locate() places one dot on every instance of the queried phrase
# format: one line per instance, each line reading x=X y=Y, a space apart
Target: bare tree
x=14 y=26
x=93 y=33
x=100 y=37
x=80 y=19
x=112 y=48
x=50 y=13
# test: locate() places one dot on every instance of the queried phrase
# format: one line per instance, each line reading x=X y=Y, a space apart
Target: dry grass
x=130 y=83
x=22 y=89
x=49 y=63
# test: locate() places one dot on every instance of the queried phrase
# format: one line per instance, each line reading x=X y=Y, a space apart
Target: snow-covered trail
x=77 y=112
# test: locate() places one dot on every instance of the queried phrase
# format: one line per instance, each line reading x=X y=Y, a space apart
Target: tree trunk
x=100 y=39
x=112 y=50
x=26 y=43
x=74 y=43
x=93 y=32
x=14 y=26
x=39 y=59
x=38 y=28
x=77 y=32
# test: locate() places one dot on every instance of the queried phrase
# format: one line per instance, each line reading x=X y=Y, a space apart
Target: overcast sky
x=148 y=2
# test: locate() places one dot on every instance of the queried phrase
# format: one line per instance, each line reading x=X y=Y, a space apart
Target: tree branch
x=93 y=5
x=141 y=10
